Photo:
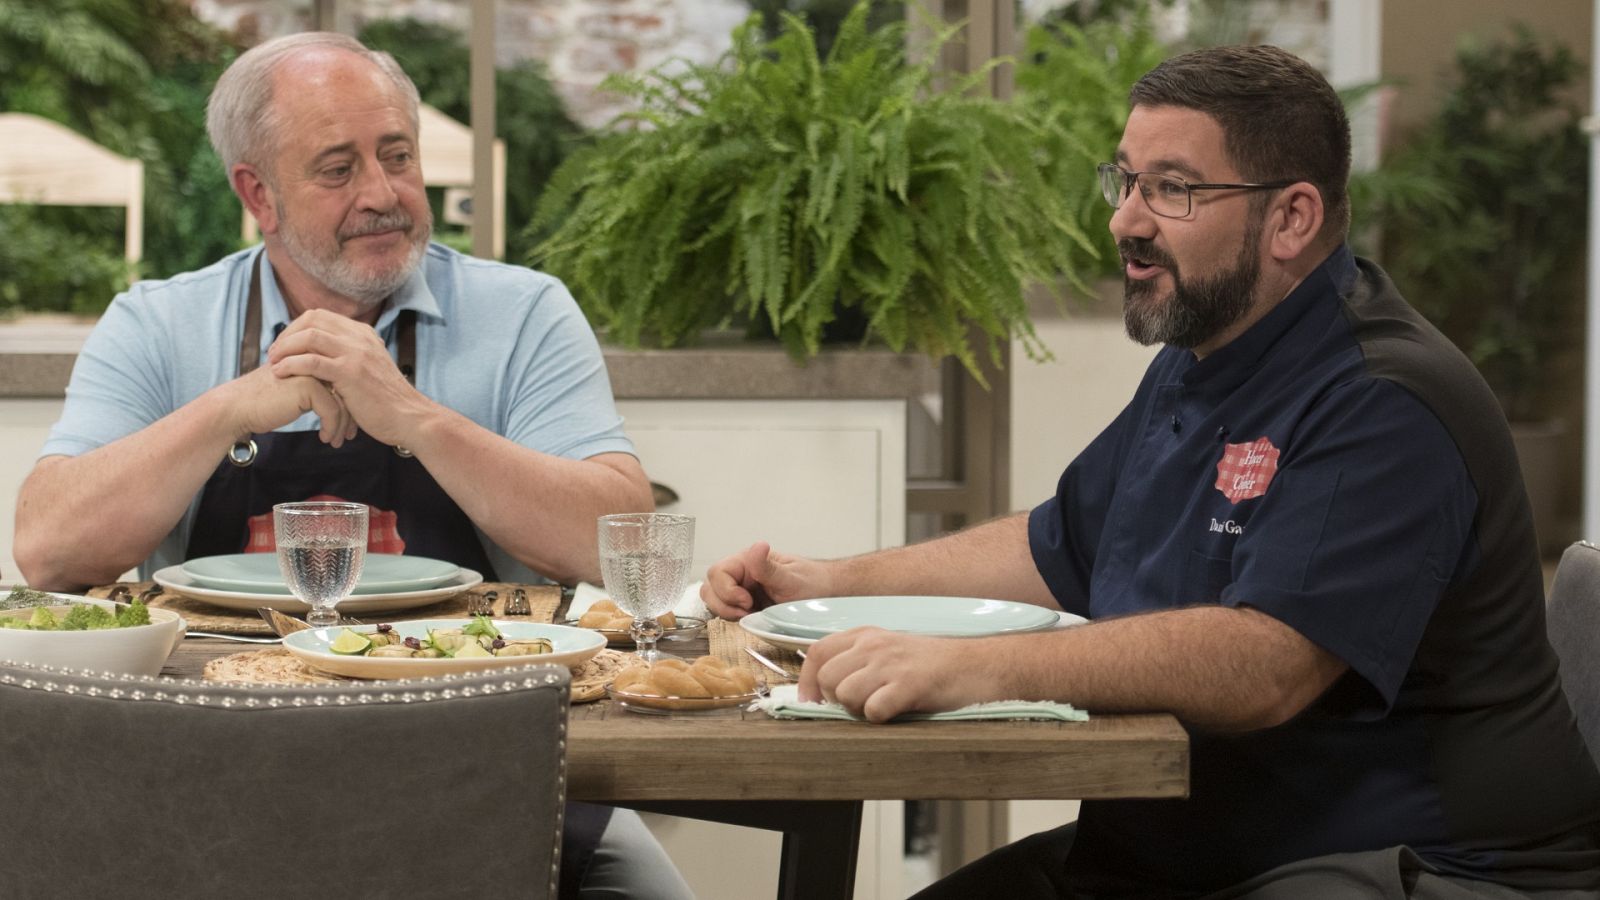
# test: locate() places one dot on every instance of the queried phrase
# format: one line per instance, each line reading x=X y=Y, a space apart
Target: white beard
x=341 y=276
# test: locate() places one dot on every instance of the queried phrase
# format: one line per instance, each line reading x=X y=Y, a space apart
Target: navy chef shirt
x=1343 y=468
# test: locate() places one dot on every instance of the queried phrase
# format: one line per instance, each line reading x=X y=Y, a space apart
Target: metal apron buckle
x=242 y=453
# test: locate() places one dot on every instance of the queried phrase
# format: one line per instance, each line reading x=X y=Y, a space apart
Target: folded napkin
x=784 y=703
x=585 y=595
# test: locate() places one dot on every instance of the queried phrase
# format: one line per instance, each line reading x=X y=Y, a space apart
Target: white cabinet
x=24 y=425
x=811 y=477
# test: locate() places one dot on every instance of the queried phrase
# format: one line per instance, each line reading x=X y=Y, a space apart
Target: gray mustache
x=396 y=221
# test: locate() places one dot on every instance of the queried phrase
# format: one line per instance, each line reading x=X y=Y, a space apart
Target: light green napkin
x=784 y=703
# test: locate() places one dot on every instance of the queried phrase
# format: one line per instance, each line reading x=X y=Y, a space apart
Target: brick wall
x=583 y=41
x=580 y=41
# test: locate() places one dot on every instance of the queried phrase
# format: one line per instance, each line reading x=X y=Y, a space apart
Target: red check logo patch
x=1246 y=470
x=383 y=534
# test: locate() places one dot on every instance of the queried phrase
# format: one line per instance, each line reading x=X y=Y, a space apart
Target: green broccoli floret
x=77 y=618
x=43 y=620
x=135 y=613
x=19 y=622
x=88 y=617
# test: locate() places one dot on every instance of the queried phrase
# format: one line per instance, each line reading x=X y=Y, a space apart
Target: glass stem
x=646 y=631
x=322 y=617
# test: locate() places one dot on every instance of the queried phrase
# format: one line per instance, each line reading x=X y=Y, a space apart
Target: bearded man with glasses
x=1306 y=536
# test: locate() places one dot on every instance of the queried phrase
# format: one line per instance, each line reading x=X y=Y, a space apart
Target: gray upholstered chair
x=1574 y=622
x=135 y=788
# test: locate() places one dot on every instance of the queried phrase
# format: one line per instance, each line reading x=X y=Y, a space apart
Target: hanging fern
x=784 y=188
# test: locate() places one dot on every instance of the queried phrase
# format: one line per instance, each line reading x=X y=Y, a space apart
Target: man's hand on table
x=351 y=359
x=878 y=674
x=759 y=577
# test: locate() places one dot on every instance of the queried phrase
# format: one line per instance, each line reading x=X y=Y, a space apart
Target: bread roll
x=605 y=616
x=704 y=678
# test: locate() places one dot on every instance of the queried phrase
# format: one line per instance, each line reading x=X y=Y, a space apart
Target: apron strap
x=250 y=340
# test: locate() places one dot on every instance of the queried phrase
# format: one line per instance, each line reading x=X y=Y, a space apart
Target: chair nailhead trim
x=224 y=694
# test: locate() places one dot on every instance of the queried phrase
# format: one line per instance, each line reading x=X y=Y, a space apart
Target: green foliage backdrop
x=783 y=189
x=1075 y=79
x=1492 y=253
x=131 y=75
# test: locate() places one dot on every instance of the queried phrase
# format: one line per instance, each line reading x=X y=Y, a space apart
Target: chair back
x=133 y=788
x=1573 y=615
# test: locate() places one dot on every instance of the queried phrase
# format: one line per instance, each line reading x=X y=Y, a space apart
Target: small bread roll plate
x=675 y=685
x=616 y=625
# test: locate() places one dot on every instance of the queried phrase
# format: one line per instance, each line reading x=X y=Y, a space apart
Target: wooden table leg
x=819 y=851
x=820 y=838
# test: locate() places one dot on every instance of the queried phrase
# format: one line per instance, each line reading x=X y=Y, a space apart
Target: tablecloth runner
x=728 y=641
x=277 y=665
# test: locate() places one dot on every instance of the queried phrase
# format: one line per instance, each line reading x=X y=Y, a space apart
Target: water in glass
x=321 y=549
x=645 y=560
x=322 y=570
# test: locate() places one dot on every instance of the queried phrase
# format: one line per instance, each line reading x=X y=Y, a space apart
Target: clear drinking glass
x=645 y=558
x=321 y=548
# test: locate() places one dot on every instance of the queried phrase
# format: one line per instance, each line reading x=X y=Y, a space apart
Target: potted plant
x=786 y=191
x=1493 y=254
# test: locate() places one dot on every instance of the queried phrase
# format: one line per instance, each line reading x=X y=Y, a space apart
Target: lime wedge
x=350 y=643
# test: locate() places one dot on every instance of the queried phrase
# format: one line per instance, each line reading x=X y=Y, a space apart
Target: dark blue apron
x=280 y=467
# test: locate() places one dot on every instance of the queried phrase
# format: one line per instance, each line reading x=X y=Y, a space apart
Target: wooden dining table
x=808 y=779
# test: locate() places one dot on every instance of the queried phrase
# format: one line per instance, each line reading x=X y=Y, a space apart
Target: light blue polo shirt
x=503 y=345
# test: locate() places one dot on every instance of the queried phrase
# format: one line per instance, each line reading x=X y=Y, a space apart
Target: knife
x=769 y=664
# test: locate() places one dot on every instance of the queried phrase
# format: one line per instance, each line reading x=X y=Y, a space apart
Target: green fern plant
x=1075 y=79
x=1488 y=253
x=786 y=188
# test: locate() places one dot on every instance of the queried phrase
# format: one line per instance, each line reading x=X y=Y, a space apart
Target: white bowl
x=138 y=650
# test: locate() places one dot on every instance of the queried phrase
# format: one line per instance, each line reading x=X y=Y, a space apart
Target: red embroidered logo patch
x=1246 y=470
x=383 y=534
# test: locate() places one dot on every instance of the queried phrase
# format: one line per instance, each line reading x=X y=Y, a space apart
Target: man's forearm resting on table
x=1223 y=668
x=87 y=519
x=539 y=508
x=987 y=560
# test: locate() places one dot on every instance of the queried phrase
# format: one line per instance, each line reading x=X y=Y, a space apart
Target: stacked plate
x=804 y=622
x=251 y=580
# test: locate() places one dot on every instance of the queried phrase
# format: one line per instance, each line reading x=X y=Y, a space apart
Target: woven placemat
x=543 y=599
x=278 y=666
x=728 y=641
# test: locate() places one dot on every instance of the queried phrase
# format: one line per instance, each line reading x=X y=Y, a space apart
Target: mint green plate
x=944 y=616
x=382 y=573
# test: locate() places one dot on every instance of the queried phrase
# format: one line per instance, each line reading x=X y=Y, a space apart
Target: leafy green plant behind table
x=49 y=268
x=1495 y=256
x=1076 y=78
x=786 y=189
x=133 y=76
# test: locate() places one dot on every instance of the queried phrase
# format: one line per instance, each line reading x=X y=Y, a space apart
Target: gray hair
x=240 y=117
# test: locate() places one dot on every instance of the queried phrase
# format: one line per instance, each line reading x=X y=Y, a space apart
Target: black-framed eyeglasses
x=1166 y=195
